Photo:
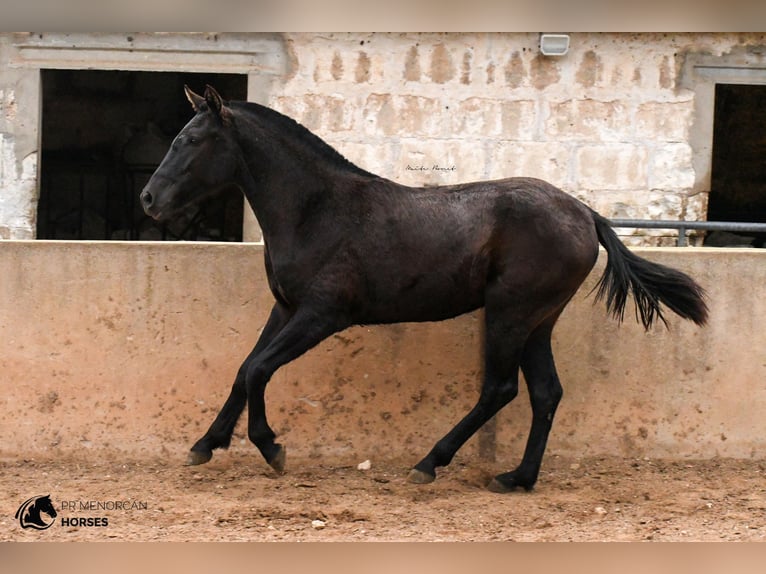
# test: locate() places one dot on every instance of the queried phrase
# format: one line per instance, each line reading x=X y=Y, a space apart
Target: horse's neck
x=282 y=198
x=301 y=171
x=33 y=514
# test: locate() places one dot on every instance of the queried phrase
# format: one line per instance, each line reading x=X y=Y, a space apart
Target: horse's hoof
x=197 y=457
x=279 y=460
x=419 y=477
x=498 y=487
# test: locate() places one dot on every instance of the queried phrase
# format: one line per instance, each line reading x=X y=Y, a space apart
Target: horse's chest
x=273 y=272
x=285 y=280
x=278 y=291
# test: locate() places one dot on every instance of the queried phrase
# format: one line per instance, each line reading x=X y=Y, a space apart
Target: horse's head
x=202 y=159
x=44 y=504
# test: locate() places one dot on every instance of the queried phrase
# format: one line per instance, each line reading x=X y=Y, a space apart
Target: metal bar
x=706 y=225
x=682 y=226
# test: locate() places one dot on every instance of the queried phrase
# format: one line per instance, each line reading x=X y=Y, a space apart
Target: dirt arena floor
x=236 y=497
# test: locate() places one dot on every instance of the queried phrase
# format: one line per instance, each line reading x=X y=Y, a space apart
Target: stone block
x=476 y=117
x=18 y=199
x=612 y=166
x=639 y=204
x=292 y=106
x=519 y=119
x=589 y=120
x=440 y=162
x=671 y=167
x=545 y=160
x=443 y=66
x=402 y=115
x=487 y=117
x=318 y=112
x=377 y=157
x=668 y=121
x=695 y=207
x=3 y=152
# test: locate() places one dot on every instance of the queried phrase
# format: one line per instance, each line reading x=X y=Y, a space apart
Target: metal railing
x=683 y=226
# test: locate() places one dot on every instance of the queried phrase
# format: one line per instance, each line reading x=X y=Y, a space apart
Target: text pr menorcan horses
x=344 y=247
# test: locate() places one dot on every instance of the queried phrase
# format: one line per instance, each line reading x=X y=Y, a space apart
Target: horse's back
x=525 y=209
x=437 y=249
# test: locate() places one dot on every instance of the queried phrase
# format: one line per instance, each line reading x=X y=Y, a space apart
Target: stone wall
x=608 y=122
x=19 y=101
x=612 y=122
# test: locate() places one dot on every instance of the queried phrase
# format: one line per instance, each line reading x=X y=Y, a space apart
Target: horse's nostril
x=146 y=199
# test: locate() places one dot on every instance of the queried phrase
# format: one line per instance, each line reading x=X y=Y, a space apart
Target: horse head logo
x=30 y=513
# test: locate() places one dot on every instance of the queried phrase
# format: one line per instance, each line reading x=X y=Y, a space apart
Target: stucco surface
x=133 y=348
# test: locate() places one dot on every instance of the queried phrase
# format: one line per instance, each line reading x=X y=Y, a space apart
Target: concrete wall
x=623 y=121
x=132 y=348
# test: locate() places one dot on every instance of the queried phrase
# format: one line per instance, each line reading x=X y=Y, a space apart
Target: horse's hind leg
x=505 y=337
x=219 y=433
x=545 y=393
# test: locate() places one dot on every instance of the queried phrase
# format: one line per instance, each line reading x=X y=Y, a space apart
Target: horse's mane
x=285 y=124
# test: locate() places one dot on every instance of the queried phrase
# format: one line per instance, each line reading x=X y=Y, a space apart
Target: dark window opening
x=103 y=135
x=738 y=178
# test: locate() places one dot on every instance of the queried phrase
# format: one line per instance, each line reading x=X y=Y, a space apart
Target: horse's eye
x=193 y=140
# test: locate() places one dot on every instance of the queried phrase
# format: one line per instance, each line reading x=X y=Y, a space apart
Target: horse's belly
x=418 y=303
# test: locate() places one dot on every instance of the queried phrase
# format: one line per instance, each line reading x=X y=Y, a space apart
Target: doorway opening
x=738 y=177
x=103 y=135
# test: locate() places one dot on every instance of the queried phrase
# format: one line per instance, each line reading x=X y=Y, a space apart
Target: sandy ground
x=237 y=497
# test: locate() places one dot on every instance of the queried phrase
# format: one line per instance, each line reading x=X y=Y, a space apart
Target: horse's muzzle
x=149 y=203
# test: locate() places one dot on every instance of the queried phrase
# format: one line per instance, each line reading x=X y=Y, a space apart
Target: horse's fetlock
x=261 y=438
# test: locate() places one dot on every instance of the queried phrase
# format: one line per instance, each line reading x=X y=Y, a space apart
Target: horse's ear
x=194 y=99
x=215 y=102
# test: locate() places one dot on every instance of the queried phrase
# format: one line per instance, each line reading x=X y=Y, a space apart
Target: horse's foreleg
x=219 y=433
x=302 y=332
x=544 y=393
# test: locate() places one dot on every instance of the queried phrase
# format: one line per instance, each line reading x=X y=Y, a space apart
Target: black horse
x=344 y=246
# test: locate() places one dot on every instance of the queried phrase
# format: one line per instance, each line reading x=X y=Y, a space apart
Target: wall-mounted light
x=554 y=44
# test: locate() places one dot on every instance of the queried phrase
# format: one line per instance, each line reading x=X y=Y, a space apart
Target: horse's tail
x=650 y=283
